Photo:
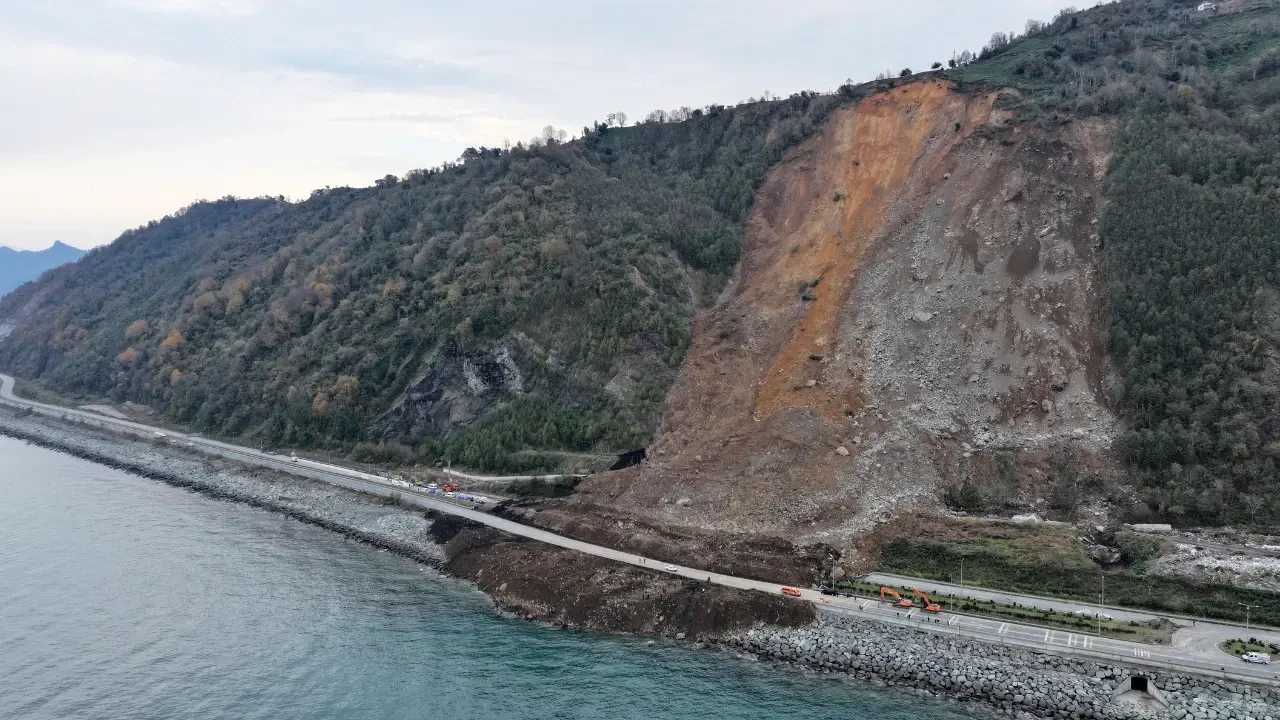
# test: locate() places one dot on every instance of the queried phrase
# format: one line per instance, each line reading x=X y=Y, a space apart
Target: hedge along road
x=993 y=631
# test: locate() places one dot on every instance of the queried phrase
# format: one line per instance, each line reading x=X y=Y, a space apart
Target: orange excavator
x=886 y=593
x=929 y=605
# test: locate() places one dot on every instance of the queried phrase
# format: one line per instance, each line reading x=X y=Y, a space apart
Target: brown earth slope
x=920 y=288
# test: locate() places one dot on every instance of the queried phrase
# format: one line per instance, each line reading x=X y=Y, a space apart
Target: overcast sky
x=116 y=112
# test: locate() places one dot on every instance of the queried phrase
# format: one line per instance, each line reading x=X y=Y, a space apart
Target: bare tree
x=657 y=116
x=617 y=119
x=1252 y=503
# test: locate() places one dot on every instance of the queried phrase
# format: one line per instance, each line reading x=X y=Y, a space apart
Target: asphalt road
x=934 y=587
x=1194 y=659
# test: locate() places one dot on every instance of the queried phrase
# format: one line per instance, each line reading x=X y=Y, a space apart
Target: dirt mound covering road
x=756 y=556
x=918 y=305
x=565 y=587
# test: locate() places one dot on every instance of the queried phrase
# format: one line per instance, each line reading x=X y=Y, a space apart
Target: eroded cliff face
x=918 y=305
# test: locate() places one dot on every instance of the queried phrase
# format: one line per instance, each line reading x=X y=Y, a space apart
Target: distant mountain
x=19 y=266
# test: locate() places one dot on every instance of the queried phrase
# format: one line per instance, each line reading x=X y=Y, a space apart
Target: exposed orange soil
x=874 y=149
x=912 y=281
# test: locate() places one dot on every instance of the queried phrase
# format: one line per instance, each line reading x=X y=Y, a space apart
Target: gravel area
x=1217 y=566
x=1016 y=681
x=358 y=516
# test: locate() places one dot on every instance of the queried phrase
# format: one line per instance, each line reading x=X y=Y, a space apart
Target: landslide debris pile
x=918 y=295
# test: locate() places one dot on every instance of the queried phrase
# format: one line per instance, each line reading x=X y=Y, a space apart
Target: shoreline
x=382 y=542
x=524 y=577
x=566 y=589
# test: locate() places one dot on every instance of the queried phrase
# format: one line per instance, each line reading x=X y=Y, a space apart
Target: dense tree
x=304 y=323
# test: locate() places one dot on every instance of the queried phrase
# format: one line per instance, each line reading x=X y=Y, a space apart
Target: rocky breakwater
x=1014 y=680
x=361 y=517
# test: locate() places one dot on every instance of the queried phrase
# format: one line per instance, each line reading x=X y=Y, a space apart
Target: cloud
x=198 y=7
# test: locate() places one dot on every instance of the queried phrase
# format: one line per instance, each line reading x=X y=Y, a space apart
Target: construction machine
x=887 y=593
x=929 y=605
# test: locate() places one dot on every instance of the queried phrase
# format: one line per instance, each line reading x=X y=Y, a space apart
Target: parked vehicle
x=481 y=500
x=671 y=568
x=828 y=591
x=791 y=591
x=432 y=486
x=1257 y=658
x=449 y=495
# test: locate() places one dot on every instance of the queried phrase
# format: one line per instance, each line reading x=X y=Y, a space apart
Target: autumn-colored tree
x=136 y=329
x=173 y=340
x=320 y=404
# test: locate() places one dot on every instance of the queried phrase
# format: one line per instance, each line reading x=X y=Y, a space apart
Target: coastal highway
x=1200 y=660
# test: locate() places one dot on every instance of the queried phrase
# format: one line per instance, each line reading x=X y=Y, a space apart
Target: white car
x=1256 y=657
x=432 y=486
x=481 y=500
x=671 y=568
x=449 y=495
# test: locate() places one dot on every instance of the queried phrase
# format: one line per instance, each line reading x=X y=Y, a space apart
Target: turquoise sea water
x=121 y=597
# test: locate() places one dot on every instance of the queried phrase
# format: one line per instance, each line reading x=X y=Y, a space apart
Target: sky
x=117 y=112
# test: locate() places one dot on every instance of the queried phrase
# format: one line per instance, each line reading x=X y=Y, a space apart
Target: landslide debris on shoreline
x=918 y=307
x=757 y=556
x=573 y=589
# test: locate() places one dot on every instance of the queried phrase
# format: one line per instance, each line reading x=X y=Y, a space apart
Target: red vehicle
x=450 y=487
x=791 y=591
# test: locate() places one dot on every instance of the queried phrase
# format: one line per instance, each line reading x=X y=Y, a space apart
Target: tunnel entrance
x=1141 y=691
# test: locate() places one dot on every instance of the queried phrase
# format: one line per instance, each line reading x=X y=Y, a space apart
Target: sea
x=122 y=597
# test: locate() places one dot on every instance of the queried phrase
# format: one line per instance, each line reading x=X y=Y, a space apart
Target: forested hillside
x=1191 y=233
x=537 y=297
x=541 y=297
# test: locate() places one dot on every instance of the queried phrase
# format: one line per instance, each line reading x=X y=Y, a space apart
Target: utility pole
x=961 y=573
x=1247 y=608
x=1102 y=603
